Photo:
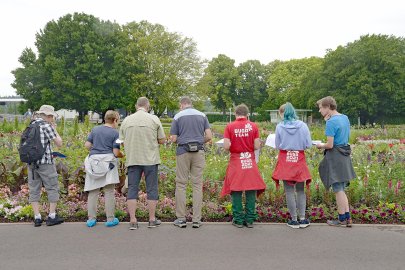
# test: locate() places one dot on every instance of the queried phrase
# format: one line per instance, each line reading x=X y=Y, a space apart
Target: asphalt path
x=213 y=246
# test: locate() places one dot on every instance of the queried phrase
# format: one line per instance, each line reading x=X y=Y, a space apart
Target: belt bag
x=193 y=147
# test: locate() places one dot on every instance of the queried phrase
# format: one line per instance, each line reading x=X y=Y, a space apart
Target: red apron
x=242 y=174
x=291 y=167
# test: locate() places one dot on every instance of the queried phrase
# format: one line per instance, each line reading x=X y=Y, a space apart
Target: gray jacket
x=336 y=166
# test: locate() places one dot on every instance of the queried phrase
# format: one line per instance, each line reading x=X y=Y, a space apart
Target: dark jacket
x=336 y=166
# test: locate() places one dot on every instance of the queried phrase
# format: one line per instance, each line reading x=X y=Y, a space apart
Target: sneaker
x=249 y=224
x=37 y=222
x=304 y=223
x=133 y=226
x=293 y=224
x=54 y=221
x=154 y=223
x=181 y=223
x=336 y=223
x=237 y=225
x=91 y=223
x=197 y=224
x=112 y=223
x=349 y=223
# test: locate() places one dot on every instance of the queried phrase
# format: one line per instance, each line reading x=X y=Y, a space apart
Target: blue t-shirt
x=338 y=127
x=103 y=139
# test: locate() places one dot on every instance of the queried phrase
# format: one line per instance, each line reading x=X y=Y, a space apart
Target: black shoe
x=37 y=222
x=54 y=221
x=248 y=224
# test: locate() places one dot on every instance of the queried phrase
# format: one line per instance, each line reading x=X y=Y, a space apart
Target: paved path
x=214 y=246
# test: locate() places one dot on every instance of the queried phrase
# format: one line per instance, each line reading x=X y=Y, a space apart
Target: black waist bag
x=193 y=147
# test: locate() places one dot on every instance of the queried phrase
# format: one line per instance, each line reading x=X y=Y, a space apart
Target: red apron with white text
x=292 y=167
x=242 y=174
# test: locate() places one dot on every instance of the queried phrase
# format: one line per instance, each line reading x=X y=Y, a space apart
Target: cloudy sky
x=243 y=30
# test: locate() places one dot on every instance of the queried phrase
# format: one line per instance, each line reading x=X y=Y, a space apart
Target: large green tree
x=367 y=77
x=170 y=64
x=252 y=84
x=221 y=80
x=286 y=80
x=77 y=65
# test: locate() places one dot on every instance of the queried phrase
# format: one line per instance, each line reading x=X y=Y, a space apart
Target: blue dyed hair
x=289 y=112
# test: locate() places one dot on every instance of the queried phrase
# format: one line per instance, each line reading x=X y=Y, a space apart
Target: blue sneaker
x=91 y=223
x=112 y=223
x=304 y=223
x=293 y=224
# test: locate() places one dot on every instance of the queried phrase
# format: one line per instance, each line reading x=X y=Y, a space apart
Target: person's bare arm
x=117 y=153
x=327 y=145
x=207 y=135
x=173 y=138
x=257 y=143
x=88 y=145
x=227 y=144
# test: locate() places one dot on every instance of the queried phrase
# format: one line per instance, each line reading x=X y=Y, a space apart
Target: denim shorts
x=340 y=186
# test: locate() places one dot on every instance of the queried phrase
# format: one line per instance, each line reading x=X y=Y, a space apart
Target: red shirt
x=242 y=134
x=242 y=172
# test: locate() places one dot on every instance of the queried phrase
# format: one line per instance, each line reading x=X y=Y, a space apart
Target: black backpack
x=31 y=148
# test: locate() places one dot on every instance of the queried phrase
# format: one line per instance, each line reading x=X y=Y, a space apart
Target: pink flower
x=390 y=184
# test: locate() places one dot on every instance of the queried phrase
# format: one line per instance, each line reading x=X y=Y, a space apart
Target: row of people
x=141 y=133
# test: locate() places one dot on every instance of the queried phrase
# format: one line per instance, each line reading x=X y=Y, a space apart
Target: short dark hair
x=242 y=110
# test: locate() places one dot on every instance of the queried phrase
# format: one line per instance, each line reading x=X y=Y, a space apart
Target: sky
x=264 y=30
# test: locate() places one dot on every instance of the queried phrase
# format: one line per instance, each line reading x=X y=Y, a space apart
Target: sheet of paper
x=271 y=140
x=220 y=143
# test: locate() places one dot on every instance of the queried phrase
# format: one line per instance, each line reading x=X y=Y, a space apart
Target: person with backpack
x=35 y=149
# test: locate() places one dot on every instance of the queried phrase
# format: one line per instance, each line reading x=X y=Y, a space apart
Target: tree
x=77 y=65
x=286 y=81
x=170 y=64
x=253 y=85
x=221 y=80
x=367 y=77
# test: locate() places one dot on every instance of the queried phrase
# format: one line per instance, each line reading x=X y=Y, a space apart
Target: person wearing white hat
x=43 y=172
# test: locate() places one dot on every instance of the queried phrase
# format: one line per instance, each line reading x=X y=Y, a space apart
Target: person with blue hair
x=292 y=138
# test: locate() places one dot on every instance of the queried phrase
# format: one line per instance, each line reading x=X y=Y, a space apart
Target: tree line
x=85 y=63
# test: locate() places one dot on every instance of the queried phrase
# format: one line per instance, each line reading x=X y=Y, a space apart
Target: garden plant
x=376 y=196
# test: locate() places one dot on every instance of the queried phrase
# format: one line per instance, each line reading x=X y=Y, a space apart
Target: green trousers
x=248 y=215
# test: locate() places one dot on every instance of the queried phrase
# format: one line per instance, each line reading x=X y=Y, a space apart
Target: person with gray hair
x=190 y=130
x=43 y=172
x=141 y=134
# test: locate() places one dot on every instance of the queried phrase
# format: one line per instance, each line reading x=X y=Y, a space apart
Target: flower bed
x=376 y=196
